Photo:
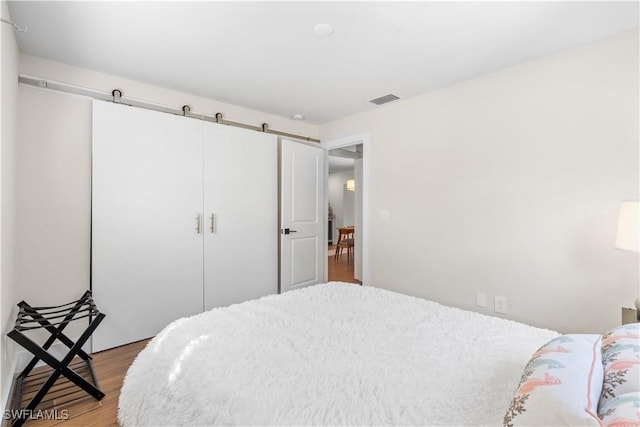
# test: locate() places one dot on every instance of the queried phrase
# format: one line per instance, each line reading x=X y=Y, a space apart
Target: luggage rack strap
x=37 y=317
x=55 y=306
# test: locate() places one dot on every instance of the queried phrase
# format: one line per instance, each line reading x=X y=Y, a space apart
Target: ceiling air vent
x=384 y=99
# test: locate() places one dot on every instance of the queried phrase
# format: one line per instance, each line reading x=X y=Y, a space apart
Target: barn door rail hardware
x=15 y=26
x=117 y=96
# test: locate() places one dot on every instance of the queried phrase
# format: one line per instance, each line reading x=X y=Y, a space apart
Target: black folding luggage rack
x=54 y=320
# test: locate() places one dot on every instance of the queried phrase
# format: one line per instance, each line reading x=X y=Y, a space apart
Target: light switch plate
x=481 y=299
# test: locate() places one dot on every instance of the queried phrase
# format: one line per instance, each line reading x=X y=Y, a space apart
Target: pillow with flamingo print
x=560 y=385
x=620 y=399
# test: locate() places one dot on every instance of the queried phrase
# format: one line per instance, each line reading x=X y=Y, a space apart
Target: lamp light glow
x=628 y=236
x=351 y=185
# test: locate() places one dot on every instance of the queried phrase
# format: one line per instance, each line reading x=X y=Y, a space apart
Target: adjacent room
x=344 y=191
x=320 y=213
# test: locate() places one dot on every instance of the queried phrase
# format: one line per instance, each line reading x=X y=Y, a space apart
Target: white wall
x=510 y=184
x=8 y=141
x=348 y=206
x=54 y=175
x=336 y=189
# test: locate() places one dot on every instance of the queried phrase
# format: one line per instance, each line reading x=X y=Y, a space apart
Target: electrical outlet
x=383 y=216
x=481 y=299
x=500 y=305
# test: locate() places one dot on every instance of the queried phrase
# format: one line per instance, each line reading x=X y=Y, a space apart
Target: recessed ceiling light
x=298 y=116
x=323 y=30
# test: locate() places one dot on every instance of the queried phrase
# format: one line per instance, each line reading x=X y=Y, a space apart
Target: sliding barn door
x=146 y=221
x=240 y=208
x=303 y=239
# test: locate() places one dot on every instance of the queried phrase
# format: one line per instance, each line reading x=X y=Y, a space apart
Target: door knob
x=288 y=231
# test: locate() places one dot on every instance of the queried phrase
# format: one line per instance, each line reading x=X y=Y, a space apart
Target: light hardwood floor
x=340 y=270
x=110 y=367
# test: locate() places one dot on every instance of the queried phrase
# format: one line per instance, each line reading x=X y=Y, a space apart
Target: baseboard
x=12 y=388
x=20 y=361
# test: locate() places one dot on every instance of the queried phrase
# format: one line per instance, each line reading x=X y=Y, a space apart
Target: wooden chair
x=345 y=240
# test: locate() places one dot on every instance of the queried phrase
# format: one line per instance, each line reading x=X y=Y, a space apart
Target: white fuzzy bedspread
x=331 y=354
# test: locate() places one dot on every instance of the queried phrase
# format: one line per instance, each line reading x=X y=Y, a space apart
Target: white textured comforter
x=331 y=354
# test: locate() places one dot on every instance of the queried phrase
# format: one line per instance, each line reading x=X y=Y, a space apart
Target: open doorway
x=345 y=212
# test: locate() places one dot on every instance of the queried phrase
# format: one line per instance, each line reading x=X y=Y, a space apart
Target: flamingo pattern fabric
x=560 y=385
x=534 y=383
x=619 y=404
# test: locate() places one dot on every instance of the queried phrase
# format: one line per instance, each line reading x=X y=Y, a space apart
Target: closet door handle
x=198 y=224
x=212 y=226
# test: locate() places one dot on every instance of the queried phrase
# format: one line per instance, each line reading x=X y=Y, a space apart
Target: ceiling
x=266 y=55
x=338 y=162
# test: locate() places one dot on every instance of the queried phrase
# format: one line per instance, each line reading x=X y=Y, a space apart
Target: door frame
x=364 y=139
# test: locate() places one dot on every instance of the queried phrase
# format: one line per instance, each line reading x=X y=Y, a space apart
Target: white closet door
x=147 y=193
x=241 y=192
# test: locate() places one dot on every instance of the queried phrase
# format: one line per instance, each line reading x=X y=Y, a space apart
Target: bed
x=339 y=354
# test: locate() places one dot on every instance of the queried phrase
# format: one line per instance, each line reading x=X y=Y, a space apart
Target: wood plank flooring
x=65 y=400
x=340 y=270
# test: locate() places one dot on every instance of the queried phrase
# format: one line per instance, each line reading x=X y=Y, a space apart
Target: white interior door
x=241 y=211
x=146 y=195
x=302 y=238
